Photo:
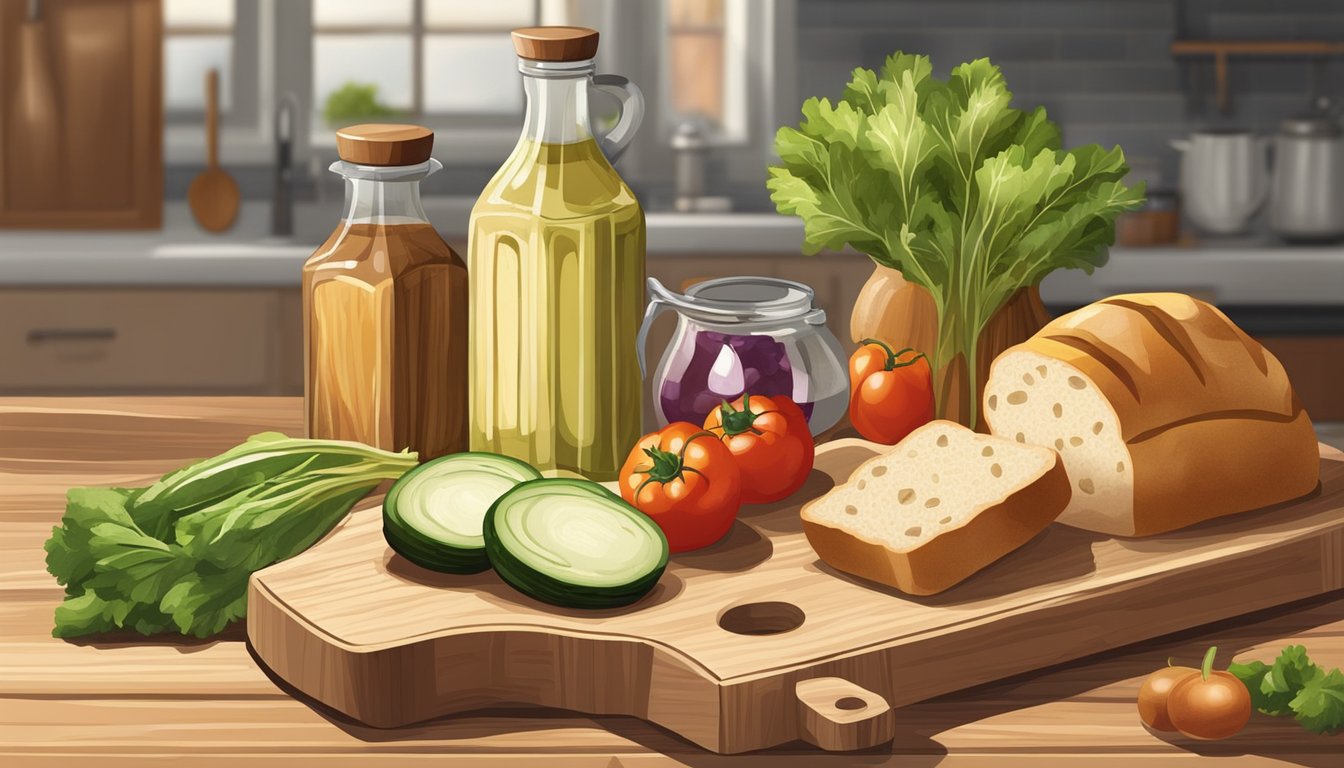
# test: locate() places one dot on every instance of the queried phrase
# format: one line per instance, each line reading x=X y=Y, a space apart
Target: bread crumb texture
x=902 y=503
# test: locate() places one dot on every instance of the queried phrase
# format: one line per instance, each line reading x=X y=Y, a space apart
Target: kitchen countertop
x=125 y=701
x=1236 y=272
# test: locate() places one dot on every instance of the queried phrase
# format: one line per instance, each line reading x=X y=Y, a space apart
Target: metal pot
x=1224 y=179
x=1307 y=201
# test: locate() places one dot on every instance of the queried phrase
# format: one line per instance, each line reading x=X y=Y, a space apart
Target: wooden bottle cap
x=384 y=144
x=555 y=43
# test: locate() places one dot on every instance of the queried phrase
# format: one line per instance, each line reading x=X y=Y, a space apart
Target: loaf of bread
x=937 y=507
x=1165 y=413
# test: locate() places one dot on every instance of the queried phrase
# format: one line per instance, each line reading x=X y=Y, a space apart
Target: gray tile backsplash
x=1102 y=68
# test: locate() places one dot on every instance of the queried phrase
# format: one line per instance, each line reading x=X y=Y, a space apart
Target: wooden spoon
x=213 y=194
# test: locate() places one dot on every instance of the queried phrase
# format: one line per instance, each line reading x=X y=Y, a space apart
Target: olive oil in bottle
x=556 y=265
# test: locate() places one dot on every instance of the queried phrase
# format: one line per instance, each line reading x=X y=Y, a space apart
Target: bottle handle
x=655 y=308
x=632 y=113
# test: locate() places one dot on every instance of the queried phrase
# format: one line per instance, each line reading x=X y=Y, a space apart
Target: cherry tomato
x=771 y=442
x=686 y=480
x=890 y=393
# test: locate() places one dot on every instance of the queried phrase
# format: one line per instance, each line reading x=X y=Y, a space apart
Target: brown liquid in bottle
x=386 y=339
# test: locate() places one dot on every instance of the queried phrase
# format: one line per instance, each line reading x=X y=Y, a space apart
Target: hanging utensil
x=213 y=194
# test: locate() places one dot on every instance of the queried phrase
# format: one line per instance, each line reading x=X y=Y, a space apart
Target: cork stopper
x=555 y=43
x=384 y=144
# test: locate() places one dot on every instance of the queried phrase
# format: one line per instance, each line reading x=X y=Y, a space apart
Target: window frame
x=245 y=73
x=417 y=29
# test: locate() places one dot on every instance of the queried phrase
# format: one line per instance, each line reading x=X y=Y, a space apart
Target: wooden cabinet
x=106 y=340
x=81 y=114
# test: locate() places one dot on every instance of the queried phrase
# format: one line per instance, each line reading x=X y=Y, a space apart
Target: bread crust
x=1160 y=358
x=1209 y=416
x=1200 y=470
x=952 y=556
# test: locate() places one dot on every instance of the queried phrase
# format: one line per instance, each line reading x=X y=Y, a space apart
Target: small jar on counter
x=385 y=306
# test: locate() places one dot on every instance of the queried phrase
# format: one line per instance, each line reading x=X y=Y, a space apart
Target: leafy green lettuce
x=946 y=182
x=176 y=556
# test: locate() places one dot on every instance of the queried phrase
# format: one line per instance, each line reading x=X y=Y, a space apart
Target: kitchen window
x=200 y=36
x=705 y=66
x=417 y=60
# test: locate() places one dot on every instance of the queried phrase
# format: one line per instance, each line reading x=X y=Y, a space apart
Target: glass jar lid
x=751 y=298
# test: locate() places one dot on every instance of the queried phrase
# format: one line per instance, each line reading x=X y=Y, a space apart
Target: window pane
x=467 y=14
x=197 y=13
x=695 y=13
x=185 y=62
x=471 y=73
x=342 y=13
x=696 y=58
x=383 y=61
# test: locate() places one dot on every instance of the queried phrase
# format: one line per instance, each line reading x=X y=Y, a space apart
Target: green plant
x=177 y=555
x=1293 y=686
x=943 y=180
x=353 y=102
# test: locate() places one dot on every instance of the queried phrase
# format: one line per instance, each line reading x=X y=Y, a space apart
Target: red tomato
x=686 y=481
x=890 y=393
x=770 y=439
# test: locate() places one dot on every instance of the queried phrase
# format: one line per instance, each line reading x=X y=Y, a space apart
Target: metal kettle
x=1307 y=193
x=1224 y=178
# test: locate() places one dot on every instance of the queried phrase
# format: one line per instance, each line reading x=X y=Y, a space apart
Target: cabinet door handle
x=40 y=335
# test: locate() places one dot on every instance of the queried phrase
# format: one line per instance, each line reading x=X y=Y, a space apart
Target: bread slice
x=937 y=507
x=1165 y=413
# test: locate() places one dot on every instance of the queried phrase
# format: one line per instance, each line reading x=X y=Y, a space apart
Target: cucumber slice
x=432 y=516
x=574 y=544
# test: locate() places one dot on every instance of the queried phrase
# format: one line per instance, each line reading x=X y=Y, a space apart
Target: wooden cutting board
x=754 y=642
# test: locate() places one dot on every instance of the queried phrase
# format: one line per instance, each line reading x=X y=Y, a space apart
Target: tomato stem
x=893 y=360
x=666 y=465
x=669 y=466
x=736 y=422
x=1207 y=667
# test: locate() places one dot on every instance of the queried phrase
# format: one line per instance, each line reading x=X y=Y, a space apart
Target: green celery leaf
x=134 y=565
x=202 y=604
x=267 y=457
x=1253 y=675
x=251 y=531
x=83 y=614
x=68 y=556
x=1289 y=674
x=947 y=182
x=90 y=613
x=1319 y=705
x=862 y=92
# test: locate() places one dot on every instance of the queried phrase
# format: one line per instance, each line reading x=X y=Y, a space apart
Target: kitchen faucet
x=282 y=203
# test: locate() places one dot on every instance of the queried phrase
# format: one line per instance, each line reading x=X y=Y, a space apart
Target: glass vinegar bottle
x=385 y=306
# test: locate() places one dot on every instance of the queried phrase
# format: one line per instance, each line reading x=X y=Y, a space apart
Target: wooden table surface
x=132 y=701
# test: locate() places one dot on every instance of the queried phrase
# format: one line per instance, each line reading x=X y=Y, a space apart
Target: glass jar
x=557 y=274
x=737 y=335
x=385 y=306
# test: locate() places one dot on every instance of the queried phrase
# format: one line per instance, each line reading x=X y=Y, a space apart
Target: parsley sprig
x=1294 y=686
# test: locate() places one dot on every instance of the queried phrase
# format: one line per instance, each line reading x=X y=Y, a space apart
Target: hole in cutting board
x=767 y=618
x=850 y=703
